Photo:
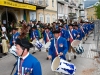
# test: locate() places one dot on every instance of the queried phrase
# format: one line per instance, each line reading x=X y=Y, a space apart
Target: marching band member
x=73 y=35
x=47 y=37
x=62 y=31
x=79 y=32
x=14 y=36
x=34 y=36
x=58 y=46
x=27 y=64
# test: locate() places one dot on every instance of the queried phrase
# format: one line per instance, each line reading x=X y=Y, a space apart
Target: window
x=53 y=18
x=52 y=3
x=41 y=18
x=48 y=18
x=47 y=2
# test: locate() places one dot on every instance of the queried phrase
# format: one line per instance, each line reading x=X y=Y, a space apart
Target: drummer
x=79 y=32
x=47 y=37
x=73 y=35
x=58 y=46
x=26 y=64
x=34 y=35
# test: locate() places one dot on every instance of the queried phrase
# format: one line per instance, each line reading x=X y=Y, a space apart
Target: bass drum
x=75 y=43
x=12 y=50
x=62 y=66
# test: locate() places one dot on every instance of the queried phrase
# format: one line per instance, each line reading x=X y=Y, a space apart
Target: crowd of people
x=60 y=35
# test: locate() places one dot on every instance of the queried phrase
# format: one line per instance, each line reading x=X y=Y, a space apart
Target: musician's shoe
x=4 y=54
x=47 y=58
x=33 y=52
x=75 y=56
x=83 y=42
x=46 y=50
x=69 y=60
x=39 y=50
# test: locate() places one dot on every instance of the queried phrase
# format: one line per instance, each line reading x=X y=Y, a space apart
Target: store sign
x=17 y=5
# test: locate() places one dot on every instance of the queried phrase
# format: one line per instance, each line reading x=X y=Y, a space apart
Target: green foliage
x=97 y=7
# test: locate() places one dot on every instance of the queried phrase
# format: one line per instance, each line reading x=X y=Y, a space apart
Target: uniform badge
x=61 y=45
x=74 y=34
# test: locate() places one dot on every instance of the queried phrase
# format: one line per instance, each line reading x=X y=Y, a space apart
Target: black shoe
x=33 y=52
x=83 y=42
x=74 y=56
x=39 y=50
x=4 y=54
x=69 y=60
x=47 y=58
x=0 y=56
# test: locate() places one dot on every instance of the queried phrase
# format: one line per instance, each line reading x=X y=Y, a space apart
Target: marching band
x=60 y=38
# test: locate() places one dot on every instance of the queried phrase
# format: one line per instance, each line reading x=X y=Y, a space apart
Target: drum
x=12 y=50
x=79 y=49
x=61 y=66
x=41 y=40
x=47 y=45
x=38 y=44
x=34 y=41
x=75 y=43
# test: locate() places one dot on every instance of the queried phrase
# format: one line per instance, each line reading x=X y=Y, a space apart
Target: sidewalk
x=85 y=63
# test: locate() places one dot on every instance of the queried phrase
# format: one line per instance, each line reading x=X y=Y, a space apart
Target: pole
x=57 y=9
x=6 y=17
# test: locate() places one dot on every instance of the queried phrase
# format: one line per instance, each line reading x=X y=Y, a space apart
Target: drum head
x=34 y=41
x=41 y=40
x=75 y=43
x=47 y=45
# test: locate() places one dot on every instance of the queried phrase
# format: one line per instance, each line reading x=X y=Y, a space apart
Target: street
x=85 y=63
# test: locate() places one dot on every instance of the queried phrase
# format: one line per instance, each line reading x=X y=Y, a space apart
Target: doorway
x=11 y=18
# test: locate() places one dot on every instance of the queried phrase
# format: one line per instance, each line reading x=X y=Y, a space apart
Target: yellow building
x=49 y=14
x=90 y=13
x=18 y=10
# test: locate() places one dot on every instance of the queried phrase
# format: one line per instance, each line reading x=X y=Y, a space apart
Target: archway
x=11 y=18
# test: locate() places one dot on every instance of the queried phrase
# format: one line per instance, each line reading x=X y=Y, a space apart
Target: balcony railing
x=63 y=1
x=72 y=15
x=72 y=4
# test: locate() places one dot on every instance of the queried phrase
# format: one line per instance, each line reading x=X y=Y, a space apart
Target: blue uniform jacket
x=35 y=33
x=62 y=47
x=63 y=33
x=74 y=34
x=67 y=36
x=14 y=37
x=79 y=33
x=45 y=36
x=31 y=63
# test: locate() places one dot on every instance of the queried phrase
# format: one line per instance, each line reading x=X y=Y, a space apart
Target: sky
x=88 y=3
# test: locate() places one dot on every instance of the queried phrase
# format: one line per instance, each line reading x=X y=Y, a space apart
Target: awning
x=17 y=5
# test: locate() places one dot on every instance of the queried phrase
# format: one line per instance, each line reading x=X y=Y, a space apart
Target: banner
x=17 y=5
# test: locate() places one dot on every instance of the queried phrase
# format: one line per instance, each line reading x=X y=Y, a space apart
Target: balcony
x=63 y=1
x=71 y=5
x=81 y=9
x=40 y=4
x=72 y=15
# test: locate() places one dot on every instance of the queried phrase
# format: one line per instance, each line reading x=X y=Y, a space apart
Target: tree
x=97 y=9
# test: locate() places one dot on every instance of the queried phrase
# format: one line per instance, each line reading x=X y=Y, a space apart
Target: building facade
x=14 y=11
x=49 y=14
x=90 y=16
x=70 y=9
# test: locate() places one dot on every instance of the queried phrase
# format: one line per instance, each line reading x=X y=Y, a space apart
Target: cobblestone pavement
x=85 y=63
